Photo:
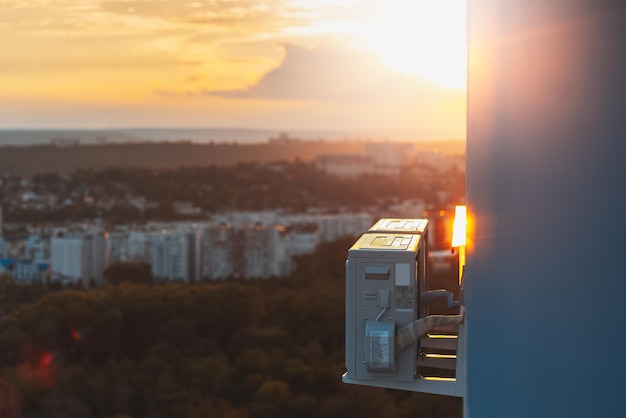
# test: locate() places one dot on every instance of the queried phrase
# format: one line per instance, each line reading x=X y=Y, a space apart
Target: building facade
x=78 y=255
x=175 y=256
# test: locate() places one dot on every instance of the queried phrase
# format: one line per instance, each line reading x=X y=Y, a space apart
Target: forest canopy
x=268 y=348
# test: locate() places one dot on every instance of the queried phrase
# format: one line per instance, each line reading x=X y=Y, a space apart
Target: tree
x=129 y=271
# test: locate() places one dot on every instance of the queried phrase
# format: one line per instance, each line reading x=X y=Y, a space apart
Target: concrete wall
x=546 y=173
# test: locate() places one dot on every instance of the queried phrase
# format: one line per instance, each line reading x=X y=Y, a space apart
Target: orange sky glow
x=275 y=64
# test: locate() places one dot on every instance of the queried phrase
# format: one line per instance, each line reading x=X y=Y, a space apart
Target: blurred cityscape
x=246 y=221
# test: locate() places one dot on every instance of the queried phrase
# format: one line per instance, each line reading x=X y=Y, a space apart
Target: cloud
x=333 y=72
x=217 y=19
x=247 y=14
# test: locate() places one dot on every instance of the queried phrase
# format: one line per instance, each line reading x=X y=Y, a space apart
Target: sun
x=425 y=38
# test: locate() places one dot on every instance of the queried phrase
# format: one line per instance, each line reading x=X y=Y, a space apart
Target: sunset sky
x=274 y=64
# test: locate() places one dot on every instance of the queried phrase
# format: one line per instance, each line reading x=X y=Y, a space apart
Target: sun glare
x=426 y=38
x=459 y=234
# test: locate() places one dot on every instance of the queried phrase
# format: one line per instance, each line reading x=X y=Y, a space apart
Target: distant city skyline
x=280 y=65
x=26 y=137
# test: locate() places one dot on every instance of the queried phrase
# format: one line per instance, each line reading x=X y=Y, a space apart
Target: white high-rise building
x=139 y=246
x=78 y=255
x=35 y=248
x=133 y=246
x=117 y=246
x=301 y=240
x=217 y=252
x=264 y=251
x=333 y=227
x=245 y=251
x=175 y=255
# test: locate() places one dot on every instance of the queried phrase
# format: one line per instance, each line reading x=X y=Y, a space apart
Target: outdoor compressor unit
x=386 y=277
x=411 y=226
